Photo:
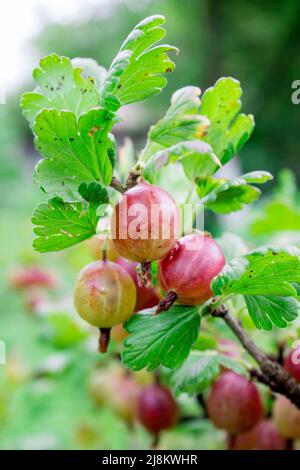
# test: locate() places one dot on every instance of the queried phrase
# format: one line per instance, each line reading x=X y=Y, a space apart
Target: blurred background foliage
x=43 y=388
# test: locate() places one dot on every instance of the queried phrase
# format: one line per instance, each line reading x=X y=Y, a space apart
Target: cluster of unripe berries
x=234 y=404
x=108 y=292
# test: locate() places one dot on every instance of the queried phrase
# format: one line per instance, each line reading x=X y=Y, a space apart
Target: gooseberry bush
x=183 y=287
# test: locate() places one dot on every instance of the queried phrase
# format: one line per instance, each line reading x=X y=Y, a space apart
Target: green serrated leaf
x=60 y=86
x=73 y=151
x=267 y=311
x=60 y=224
x=196 y=374
x=199 y=371
x=232 y=364
x=164 y=339
x=182 y=122
x=270 y=270
x=225 y=196
x=90 y=68
x=138 y=70
x=266 y=278
x=196 y=157
x=229 y=130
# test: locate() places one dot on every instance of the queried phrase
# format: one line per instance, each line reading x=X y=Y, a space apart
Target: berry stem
x=166 y=303
x=155 y=440
x=104 y=339
x=145 y=275
x=231 y=441
x=289 y=444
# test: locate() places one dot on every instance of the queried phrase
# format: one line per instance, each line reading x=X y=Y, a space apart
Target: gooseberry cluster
x=72 y=115
x=135 y=397
x=234 y=404
x=108 y=292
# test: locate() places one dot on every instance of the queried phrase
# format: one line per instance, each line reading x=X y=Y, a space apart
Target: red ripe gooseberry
x=292 y=363
x=145 y=223
x=234 y=404
x=145 y=298
x=104 y=296
x=189 y=268
x=264 y=436
x=157 y=409
x=31 y=276
x=286 y=418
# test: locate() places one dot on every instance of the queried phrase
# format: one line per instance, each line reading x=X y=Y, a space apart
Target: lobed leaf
x=74 y=151
x=181 y=123
x=200 y=370
x=225 y=196
x=60 y=86
x=90 y=68
x=60 y=225
x=164 y=339
x=267 y=311
x=266 y=277
x=270 y=270
x=138 y=70
x=229 y=130
x=196 y=157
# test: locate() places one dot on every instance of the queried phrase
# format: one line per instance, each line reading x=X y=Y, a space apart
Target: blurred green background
x=45 y=402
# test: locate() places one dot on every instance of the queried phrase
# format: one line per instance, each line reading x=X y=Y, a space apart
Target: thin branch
x=131 y=181
x=272 y=373
x=117 y=185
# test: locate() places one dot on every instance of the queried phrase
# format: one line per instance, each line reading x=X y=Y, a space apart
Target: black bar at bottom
x=135 y=458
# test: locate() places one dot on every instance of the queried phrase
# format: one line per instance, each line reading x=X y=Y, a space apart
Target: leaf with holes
x=73 y=151
x=269 y=270
x=60 y=86
x=267 y=278
x=138 y=70
x=60 y=225
x=229 y=130
x=164 y=339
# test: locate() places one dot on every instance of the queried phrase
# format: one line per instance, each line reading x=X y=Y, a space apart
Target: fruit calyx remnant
x=145 y=275
x=167 y=302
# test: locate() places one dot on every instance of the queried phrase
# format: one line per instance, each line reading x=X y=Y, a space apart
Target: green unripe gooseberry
x=104 y=296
